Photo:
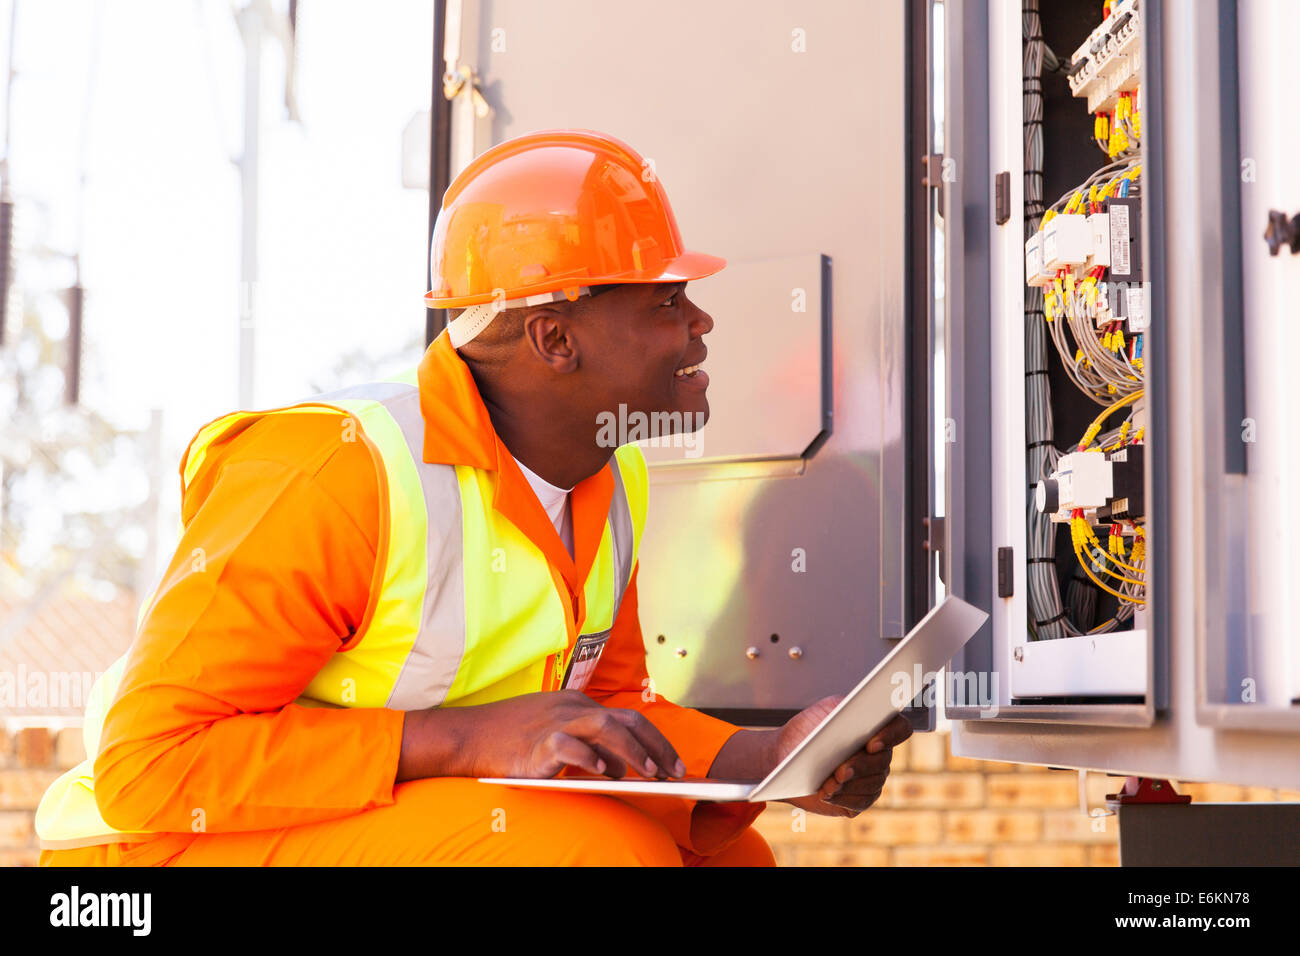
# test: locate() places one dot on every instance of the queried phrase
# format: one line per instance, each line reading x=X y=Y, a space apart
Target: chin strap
x=476 y=318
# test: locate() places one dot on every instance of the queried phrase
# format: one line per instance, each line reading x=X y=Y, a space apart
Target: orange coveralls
x=204 y=728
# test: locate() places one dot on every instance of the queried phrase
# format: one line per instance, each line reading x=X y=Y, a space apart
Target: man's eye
x=671 y=301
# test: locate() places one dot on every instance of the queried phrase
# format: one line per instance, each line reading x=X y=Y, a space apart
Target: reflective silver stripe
x=620 y=526
x=431 y=666
x=381 y=392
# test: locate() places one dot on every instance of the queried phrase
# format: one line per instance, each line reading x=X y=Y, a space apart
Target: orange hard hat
x=554 y=212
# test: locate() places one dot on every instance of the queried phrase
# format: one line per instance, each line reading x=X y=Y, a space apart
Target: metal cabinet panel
x=776 y=128
x=1247 y=642
x=769 y=372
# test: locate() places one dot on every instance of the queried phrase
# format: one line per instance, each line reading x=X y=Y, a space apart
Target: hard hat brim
x=687 y=267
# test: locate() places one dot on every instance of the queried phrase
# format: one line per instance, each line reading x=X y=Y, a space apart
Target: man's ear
x=550 y=335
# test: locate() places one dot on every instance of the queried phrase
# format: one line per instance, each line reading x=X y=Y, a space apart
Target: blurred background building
x=203 y=209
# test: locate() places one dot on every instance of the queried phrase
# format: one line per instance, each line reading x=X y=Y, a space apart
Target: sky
x=146 y=98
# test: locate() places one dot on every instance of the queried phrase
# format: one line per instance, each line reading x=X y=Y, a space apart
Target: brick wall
x=942 y=810
x=30 y=760
x=936 y=810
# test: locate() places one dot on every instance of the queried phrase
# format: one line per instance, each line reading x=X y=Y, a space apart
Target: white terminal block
x=1067 y=242
x=1035 y=274
x=1115 y=65
x=1121 y=74
x=1099 y=229
x=1083 y=479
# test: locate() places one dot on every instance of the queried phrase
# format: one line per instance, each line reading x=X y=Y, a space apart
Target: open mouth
x=692 y=377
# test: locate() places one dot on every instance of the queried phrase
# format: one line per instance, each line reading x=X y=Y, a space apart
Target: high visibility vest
x=468 y=611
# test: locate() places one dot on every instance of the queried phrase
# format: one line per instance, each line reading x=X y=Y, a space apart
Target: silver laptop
x=848 y=728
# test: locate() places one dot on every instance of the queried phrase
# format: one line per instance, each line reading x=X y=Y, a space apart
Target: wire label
x=1119 y=239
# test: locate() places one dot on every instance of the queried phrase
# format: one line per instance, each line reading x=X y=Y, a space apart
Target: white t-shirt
x=555 y=501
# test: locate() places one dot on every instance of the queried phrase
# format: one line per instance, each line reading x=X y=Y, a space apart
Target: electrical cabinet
x=907 y=192
x=1198 y=681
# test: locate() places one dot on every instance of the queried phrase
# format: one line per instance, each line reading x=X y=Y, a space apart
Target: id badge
x=583 y=660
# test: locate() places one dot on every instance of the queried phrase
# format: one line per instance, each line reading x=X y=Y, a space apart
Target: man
x=384 y=593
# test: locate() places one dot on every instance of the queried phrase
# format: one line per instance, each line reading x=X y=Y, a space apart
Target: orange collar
x=459 y=431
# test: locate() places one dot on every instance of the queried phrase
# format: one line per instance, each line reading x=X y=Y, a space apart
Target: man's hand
x=534 y=735
x=856 y=783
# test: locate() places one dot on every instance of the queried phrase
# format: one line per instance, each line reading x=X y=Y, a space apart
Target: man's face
x=635 y=339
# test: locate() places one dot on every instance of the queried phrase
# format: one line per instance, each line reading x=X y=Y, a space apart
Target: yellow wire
x=1095 y=427
x=1088 y=571
x=1092 y=539
x=1119 y=577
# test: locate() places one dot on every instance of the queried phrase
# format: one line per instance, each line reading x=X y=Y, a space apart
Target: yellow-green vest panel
x=468 y=612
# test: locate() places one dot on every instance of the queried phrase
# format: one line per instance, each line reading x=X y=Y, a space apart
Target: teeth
x=688 y=370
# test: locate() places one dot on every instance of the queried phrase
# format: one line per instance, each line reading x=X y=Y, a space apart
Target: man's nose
x=701 y=321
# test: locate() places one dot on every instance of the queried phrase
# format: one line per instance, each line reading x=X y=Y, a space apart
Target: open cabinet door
x=1181 y=664
x=779 y=562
